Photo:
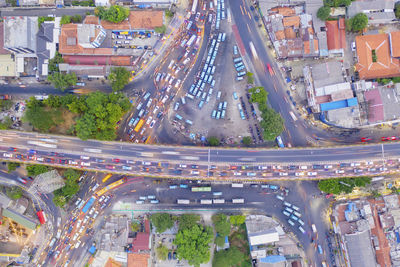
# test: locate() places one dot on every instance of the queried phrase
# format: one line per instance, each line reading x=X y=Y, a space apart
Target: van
x=213 y=114
x=183 y=100
x=190 y=96
x=146 y=96
x=280 y=197
x=213 y=83
x=201 y=104
x=224 y=34
x=219 y=94
x=223 y=114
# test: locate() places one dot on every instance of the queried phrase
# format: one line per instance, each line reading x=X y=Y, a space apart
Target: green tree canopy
x=59 y=201
x=135 y=226
x=258 y=95
x=55 y=61
x=250 y=77
x=324 y=13
x=247 y=140
x=272 y=124
x=228 y=258
x=114 y=13
x=358 y=23
x=14 y=192
x=34 y=170
x=221 y=223
x=65 y=19
x=12 y=166
x=213 y=141
x=162 y=221
x=219 y=241
x=119 y=77
x=62 y=81
x=193 y=244
x=5 y=123
x=162 y=252
x=397 y=10
x=343 y=185
x=188 y=220
x=237 y=219
x=162 y=29
x=38 y=116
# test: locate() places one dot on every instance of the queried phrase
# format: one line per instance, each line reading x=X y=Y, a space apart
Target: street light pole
x=208 y=165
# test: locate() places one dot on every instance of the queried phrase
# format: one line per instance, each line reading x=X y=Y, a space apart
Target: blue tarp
x=273 y=259
x=92 y=249
x=339 y=104
x=397 y=237
x=288 y=80
x=350 y=208
x=226 y=240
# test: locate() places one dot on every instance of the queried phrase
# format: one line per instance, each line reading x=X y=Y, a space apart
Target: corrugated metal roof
x=339 y=104
x=21 y=219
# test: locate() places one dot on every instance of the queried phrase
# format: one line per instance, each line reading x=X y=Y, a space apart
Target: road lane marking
x=247 y=159
x=147 y=154
x=248 y=27
x=241 y=9
x=170 y=152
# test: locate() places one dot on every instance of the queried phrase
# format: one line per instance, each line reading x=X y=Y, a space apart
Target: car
x=197 y=16
x=116 y=160
x=365 y=139
x=12 y=149
x=152 y=123
x=270 y=70
x=22 y=180
x=85 y=157
x=7 y=155
x=110 y=167
x=299 y=174
x=311 y=173
x=353 y=46
x=339 y=171
x=156 y=109
x=127 y=168
x=149 y=120
x=178 y=82
x=174 y=255
x=169 y=253
x=159 y=114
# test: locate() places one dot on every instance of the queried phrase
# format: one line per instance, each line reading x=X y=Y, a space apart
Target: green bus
x=201 y=189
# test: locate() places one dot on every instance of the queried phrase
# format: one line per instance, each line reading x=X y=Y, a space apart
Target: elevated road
x=113 y=156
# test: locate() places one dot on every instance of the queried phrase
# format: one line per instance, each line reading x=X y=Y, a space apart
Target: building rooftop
x=20 y=33
x=138 y=259
x=336 y=34
x=360 y=249
x=394 y=38
x=379 y=65
x=141 y=242
x=375 y=105
x=327 y=73
x=374 y=6
x=98 y=60
x=19 y=218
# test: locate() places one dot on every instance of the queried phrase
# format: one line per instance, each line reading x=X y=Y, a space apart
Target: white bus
x=183 y=201
x=237 y=185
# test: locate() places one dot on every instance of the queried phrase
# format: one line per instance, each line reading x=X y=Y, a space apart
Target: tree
x=187 y=220
x=250 y=77
x=76 y=19
x=162 y=221
x=258 y=95
x=115 y=14
x=168 y=13
x=12 y=166
x=272 y=124
x=71 y=175
x=247 y=140
x=55 y=61
x=219 y=241
x=6 y=123
x=162 y=29
x=343 y=185
x=222 y=225
x=397 y=10
x=213 y=141
x=162 y=252
x=323 y=13
x=59 y=201
x=193 y=244
x=14 y=192
x=119 y=77
x=34 y=170
x=65 y=19
x=38 y=116
x=228 y=258
x=43 y=19
x=135 y=226
x=237 y=219
x=358 y=22
x=62 y=81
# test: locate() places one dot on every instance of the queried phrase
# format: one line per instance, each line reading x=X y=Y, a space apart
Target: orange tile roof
x=293 y=21
x=279 y=35
x=385 y=65
x=336 y=34
x=395 y=43
x=137 y=20
x=289 y=33
x=306 y=45
x=286 y=11
x=112 y=263
x=69 y=43
x=138 y=260
x=91 y=20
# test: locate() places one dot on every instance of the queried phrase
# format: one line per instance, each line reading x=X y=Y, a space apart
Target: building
x=20 y=219
x=291 y=32
x=47 y=182
x=336 y=37
x=378 y=55
x=47 y=39
x=378 y=11
x=138 y=260
x=20 y=34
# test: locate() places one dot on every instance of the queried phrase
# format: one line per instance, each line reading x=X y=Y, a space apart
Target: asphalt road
x=59 y=12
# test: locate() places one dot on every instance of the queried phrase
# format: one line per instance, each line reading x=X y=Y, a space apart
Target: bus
x=42 y=216
x=238 y=200
x=201 y=189
x=139 y=125
x=194 y=6
x=183 y=201
x=108 y=176
x=111 y=186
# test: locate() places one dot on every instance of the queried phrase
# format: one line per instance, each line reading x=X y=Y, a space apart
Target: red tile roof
x=138 y=260
x=279 y=35
x=336 y=34
x=375 y=105
x=145 y=20
x=98 y=60
x=395 y=44
x=289 y=33
x=385 y=65
x=141 y=242
x=91 y=20
x=284 y=11
x=293 y=21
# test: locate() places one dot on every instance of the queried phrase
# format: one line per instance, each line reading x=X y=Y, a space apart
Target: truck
x=183 y=201
x=314 y=229
x=42 y=216
x=238 y=201
x=139 y=125
x=206 y=201
x=219 y=201
x=191 y=40
x=88 y=204
x=194 y=6
x=279 y=141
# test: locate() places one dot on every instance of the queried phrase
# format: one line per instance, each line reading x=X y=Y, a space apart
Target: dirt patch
x=65 y=120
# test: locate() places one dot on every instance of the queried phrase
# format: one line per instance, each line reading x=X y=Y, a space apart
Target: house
x=378 y=11
x=20 y=34
x=377 y=55
x=336 y=37
x=47 y=39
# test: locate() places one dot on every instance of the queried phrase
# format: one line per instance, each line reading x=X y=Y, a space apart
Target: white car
x=87 y=164
x=164 y=99
x=169 y=88
x=178 y=82
x=40 y=159
x=152 y=123
x=75 y=237
x=7 y=155
x=171 y=80
x=328 y=166
x=78 y=244
x=101 y=198
x=339 y=171
x=149 y=120
x=197 y=16
x=95 y=214
x=311 y=173
x=299 y=174
x=237 y=173
x=85 y=157
x=283 y=174
x=369 y=163
x=72 y=162
x=81 y=229
x=156 y=109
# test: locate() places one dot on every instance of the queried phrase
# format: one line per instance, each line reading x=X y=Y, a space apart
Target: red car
x=110 y=167
x=389 y=138
x=21 y=180
x=365 y=139
x=271 y=71
x=115 y=160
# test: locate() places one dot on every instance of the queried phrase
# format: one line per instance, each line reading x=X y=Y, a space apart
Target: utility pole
x=208 y=165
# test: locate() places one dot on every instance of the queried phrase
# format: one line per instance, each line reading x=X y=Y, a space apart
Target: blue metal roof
x=273 y=259
x=339 y=104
